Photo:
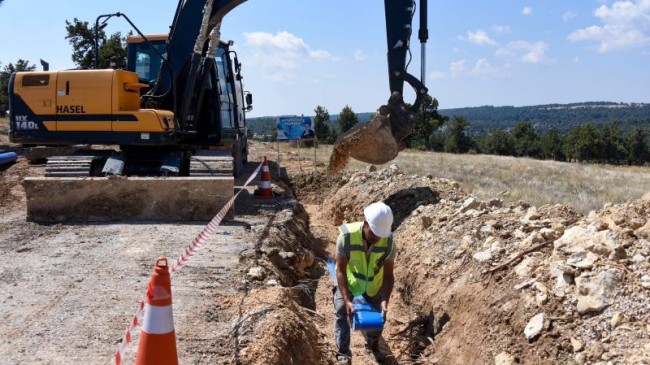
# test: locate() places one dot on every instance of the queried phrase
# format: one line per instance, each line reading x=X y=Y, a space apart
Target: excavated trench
x=298 y=327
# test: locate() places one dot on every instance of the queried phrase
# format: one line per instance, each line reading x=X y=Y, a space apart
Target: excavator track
x=69 y=166
x=211 y=163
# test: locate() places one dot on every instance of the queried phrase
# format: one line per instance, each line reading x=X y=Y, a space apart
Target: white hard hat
x=380 y=218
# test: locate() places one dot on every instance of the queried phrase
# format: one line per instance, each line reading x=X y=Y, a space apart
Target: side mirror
x=249 y=100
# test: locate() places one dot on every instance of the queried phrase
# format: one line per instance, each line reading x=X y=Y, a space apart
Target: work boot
x=344 y=360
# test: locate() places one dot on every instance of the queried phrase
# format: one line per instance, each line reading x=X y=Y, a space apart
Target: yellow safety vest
x=364 y=277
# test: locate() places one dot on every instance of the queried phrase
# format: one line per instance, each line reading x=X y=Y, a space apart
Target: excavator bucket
x=375 y=142
x=93 y=199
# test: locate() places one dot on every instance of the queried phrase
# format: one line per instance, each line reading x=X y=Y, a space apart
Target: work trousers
x=342 y=326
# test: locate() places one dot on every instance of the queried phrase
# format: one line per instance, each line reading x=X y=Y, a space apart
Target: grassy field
x=583 y=186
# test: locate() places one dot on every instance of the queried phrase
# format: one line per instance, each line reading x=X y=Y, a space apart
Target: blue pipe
x=8 y=157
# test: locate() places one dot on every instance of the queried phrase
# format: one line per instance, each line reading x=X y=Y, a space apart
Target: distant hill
x=487 y=118
x=562 y=116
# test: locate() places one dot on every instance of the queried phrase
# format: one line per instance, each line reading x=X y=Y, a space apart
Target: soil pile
x=480 y=282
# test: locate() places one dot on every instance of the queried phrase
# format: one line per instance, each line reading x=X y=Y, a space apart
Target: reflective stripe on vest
x=364 y=277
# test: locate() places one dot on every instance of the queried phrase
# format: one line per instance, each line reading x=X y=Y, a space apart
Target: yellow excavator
x=167 y=136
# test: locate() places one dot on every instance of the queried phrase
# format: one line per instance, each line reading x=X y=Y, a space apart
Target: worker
x=365 y=258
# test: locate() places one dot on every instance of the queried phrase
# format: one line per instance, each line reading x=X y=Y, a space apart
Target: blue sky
x=298 y=54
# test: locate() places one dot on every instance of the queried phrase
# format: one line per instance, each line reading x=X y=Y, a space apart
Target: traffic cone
x=157 y=338
x=264 y=190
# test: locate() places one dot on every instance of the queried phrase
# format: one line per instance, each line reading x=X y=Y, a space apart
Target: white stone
x=472 y=203
x=548 y=234
x=519 y=234
x=576 y=345
x=616 y=319
x=526 y=267
x=580 y=238
x=645 y=281
x=534 y=327
x=525 y=284
x=531 y=215
x=483 y=255
x=582 y=259
x=256 y=273
x=504 y=358
x=542 y=294
x=595 y=294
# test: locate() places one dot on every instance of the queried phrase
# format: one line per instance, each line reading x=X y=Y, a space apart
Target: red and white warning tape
x=198 y=243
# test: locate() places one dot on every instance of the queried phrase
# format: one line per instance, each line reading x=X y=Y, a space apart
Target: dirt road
x=69 y=291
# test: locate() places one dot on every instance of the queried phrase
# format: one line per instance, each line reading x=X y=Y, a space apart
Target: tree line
x=588 y=142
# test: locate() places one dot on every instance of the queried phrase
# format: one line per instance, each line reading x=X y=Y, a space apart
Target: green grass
x=585 y=187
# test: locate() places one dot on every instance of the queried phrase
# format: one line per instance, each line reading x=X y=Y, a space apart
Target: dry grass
x=585 y=187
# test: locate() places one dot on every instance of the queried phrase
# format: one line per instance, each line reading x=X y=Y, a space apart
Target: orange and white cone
x=265 y=191
x=157 y=338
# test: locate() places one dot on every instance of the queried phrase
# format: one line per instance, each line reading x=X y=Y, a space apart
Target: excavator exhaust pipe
x=110 y=199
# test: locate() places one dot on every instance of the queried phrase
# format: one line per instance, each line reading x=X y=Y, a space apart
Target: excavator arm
x=198 y=22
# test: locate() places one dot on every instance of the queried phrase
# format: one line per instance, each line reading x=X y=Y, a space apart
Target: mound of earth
x=485 y=283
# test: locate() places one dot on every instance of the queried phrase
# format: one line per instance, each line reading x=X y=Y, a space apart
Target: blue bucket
x=366 y=317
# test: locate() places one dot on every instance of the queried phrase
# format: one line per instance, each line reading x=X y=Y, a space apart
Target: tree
x=347 y=119
x=583 y=143
x=637 y=147
x=112 y=50
x=21 y=65
x=552 y=143
x=427 y=121
x=526 y=140
x=321 y=119
x=499 y=143
x=458 y=141
x=613 y=143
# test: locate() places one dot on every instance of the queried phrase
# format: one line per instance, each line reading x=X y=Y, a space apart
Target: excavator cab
x=143 y=57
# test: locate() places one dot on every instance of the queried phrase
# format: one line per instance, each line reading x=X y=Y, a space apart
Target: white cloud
x=437 y=75
x=527 y=10
x=482 y=68
x=283 y=49
x=283 y=77
x=457 y=67
x=359 y=55
x=501 y=29
x=625 y=25
x=568 y=16
x=526 y=52
x=479 y=37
